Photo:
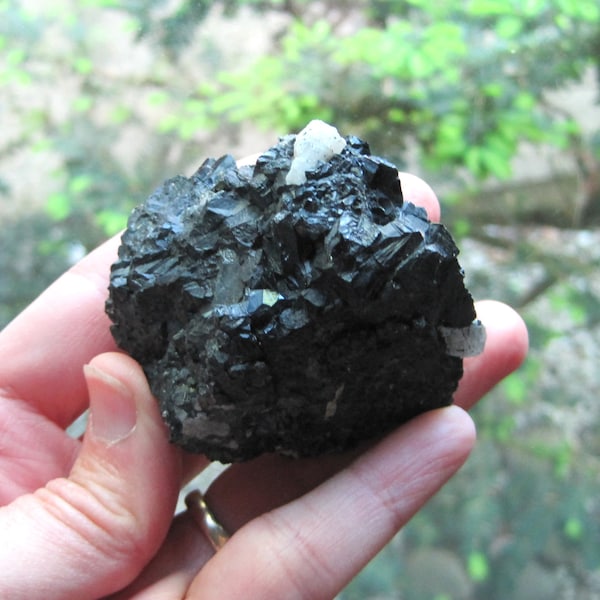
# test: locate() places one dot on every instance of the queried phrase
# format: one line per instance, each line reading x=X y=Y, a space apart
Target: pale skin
x=94 y=518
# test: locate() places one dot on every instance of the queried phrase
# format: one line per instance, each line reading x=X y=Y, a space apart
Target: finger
x=505 y=349
x=417 y=191
x=248 y=161
x=90 y=534
x=313 y=546
x=168 y=575
x=33 y=450
x=43 y=350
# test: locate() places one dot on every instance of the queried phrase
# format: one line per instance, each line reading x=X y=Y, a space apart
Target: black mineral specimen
x=298 y=319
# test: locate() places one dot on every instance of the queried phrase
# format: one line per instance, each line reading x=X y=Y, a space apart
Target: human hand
x=86 y=519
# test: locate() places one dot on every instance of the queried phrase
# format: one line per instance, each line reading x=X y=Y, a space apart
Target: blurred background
x=494 y=102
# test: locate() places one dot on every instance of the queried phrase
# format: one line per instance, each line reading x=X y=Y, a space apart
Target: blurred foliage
x=464 y=80
x=103 y=99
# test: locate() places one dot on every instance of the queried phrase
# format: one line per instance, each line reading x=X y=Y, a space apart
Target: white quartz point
x=317 y=142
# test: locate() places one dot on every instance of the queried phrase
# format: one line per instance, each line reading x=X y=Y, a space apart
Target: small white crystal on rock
x=464 y=341
x=317 y=142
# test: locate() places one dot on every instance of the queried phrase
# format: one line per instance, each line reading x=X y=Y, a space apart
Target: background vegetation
x=102 y=100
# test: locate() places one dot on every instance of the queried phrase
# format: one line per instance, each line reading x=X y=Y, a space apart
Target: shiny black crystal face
x=297 y=319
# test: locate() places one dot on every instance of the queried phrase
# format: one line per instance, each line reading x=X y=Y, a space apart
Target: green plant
x=465 y=81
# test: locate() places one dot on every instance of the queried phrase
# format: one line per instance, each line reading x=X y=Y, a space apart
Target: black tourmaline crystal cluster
x=297 y=305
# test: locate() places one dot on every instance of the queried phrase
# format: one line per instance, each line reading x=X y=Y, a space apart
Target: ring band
x=214 y=531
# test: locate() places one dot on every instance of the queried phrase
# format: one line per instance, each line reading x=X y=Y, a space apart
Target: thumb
x=90 y=534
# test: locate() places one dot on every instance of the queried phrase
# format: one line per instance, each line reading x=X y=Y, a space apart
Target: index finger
x=43 y=350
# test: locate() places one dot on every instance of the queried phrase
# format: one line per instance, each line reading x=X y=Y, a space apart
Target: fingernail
x=112 y=406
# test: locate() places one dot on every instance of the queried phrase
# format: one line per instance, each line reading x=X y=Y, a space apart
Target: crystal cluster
x=294 y=314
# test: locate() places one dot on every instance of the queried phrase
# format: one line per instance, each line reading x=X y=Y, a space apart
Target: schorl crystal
x=296 y=315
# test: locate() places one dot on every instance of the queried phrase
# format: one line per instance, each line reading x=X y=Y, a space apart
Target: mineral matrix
x=298 y=318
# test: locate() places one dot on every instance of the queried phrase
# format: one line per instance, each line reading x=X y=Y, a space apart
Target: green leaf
x=563 y=21
x=509 y=27
x=83 y=65
x=589 y=11
x=101 y=3
x=461 y=228
x=83 y=104
x=569 y=302
x=574 y=529
x=157 y=98
x=111 y=221
x=15 y=57
x=495 y=163
x=525 y=101
x=80 y=184
x=515 y=388
x=503 y=430
x=533 y=8
x=493 y=89
x=41 y=145
x=488 y=8
x=451 y=136
x=418 y=65
x=396 y=115
x=195 y=106
x=120 y=114
x=58 y=206
x=473 y=161
x=478 y=567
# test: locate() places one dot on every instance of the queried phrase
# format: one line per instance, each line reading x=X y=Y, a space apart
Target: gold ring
x=214 y=531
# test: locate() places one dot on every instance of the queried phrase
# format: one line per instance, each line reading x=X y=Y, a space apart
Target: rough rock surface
x=299 y=319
